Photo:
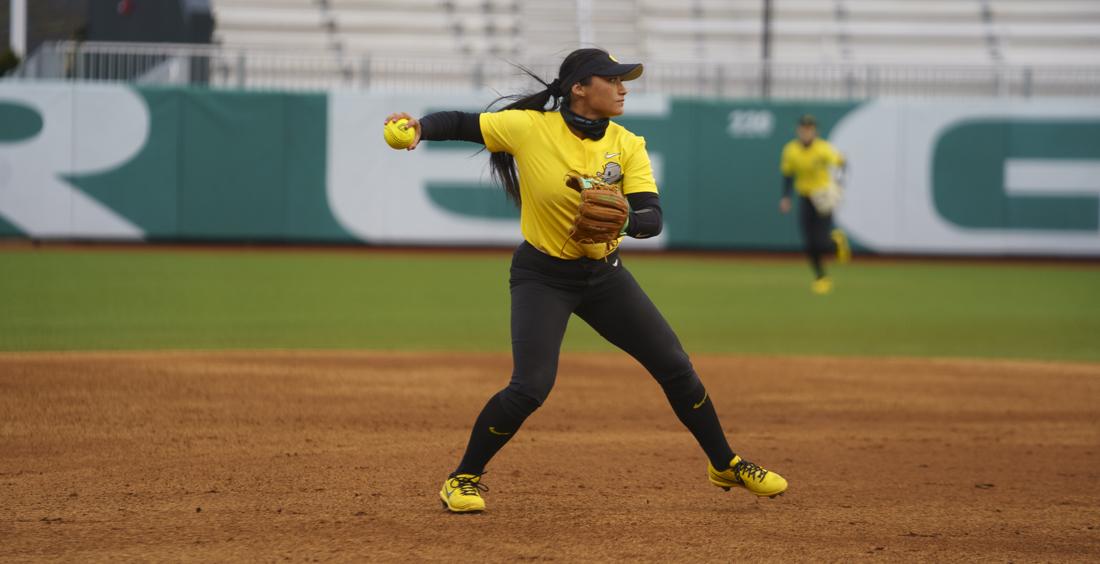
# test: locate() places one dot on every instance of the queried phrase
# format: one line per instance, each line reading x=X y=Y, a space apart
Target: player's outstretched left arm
x=786 y=168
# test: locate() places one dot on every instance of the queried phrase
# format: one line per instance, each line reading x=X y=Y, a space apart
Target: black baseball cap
x=597 y=62
x=807 y=120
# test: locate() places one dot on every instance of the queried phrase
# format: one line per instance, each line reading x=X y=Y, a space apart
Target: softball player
x=807 y=165
x=534 y=142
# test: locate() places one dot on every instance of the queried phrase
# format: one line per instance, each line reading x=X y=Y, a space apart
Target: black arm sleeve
x=788 y=186
x=645 y=215
x=451 y=126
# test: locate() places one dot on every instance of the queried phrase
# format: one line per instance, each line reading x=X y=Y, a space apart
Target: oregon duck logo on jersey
x=612 y=173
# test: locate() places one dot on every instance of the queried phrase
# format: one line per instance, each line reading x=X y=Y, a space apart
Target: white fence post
x=18 y=36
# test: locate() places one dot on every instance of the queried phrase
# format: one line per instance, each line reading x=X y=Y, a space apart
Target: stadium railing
x=270 y=68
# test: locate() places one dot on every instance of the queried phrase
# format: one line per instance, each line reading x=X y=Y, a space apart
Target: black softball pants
x=816 y=234
x=545 y=292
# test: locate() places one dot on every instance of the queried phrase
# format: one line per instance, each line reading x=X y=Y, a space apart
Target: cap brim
x=624 y=72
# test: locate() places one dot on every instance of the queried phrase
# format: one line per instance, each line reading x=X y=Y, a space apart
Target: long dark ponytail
x=502 y=166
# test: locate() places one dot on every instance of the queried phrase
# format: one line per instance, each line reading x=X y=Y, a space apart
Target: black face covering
x=591 y=128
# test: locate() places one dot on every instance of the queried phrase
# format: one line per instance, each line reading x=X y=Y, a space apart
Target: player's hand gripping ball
x=398 y=134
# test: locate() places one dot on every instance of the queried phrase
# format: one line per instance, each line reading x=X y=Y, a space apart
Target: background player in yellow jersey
x=808 y=165
x=534 y=142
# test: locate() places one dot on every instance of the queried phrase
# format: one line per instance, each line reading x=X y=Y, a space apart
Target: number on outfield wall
x=751 y=123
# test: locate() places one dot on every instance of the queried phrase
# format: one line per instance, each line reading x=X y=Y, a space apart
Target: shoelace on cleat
x=750 y=470
x=468 y=486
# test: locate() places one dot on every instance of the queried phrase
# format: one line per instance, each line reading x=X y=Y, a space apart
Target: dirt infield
x=339 y=456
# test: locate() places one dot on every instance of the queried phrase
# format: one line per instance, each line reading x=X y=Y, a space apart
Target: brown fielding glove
x=603 y=211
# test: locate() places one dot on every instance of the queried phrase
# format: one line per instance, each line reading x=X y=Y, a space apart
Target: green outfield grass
x=220 y=299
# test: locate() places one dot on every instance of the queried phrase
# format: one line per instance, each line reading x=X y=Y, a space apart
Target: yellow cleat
x=843 y=250
x=822 y=286
x=461 y=493
x=744 y=474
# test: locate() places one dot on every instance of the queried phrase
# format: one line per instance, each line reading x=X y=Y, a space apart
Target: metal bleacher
x=384 y=27
x=285 y=24
x=1053 y=32
x=823 y=31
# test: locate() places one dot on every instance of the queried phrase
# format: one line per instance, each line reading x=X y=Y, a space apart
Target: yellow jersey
x=810 y=165
x=545 y=150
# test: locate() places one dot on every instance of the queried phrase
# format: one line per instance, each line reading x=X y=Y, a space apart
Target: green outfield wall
x=104 y=162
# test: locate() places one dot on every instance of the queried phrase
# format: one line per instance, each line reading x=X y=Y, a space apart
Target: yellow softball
x=398 y=134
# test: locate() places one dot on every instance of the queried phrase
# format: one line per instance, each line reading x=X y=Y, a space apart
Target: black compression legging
x=545 y=292
x=816 y=234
